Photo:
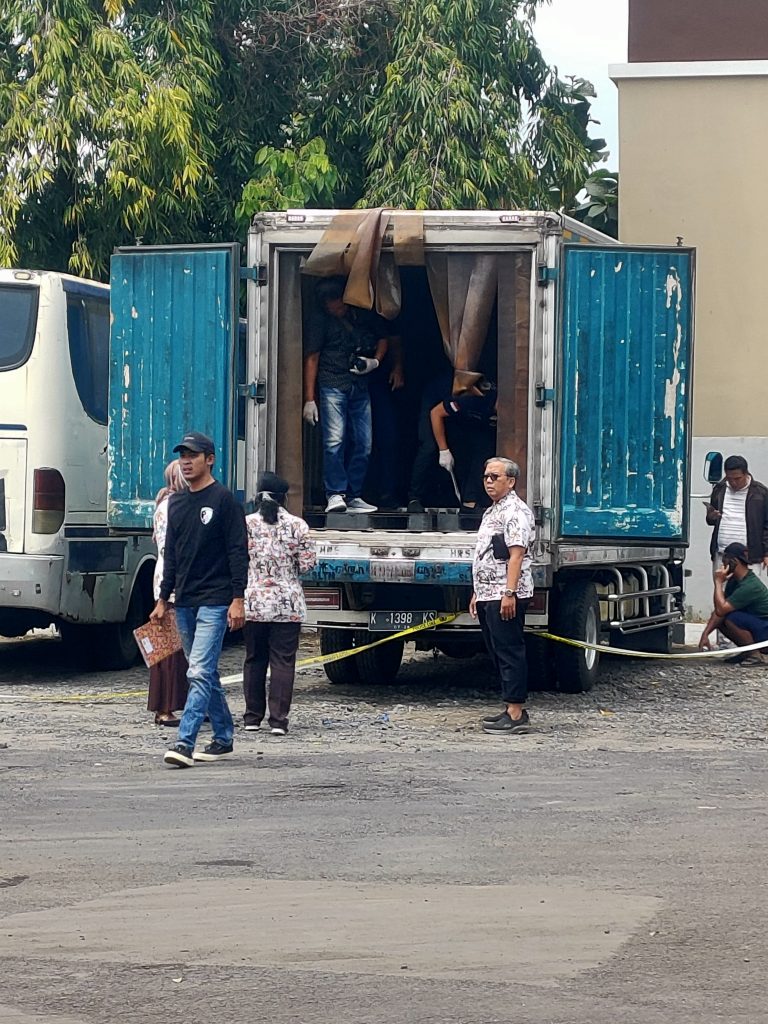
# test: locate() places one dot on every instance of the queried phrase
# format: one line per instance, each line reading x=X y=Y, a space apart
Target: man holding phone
x=740 y=604
x=501 y=573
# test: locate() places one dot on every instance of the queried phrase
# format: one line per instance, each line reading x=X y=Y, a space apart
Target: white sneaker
x=278 y=730
x=336 y=503
x=358 y=505
x=253 y=728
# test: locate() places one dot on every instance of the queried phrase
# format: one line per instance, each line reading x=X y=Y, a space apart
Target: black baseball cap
x=737 y=551
x=196 y=442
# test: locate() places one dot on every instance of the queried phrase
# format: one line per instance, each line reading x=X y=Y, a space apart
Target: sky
x=582 y=37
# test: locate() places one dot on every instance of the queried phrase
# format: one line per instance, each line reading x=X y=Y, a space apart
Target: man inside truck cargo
x=741 y=605
x=342 y=346
x=503 y=586
x=466 y=423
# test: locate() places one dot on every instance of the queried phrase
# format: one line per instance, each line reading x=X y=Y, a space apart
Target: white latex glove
x=310 y=413
x=370 y=365
x=446 y=459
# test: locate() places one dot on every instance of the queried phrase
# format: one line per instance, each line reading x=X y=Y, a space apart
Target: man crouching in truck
x=501 y=573
x=741 y=605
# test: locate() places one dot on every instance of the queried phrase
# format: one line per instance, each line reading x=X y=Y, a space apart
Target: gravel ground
x=637 y=705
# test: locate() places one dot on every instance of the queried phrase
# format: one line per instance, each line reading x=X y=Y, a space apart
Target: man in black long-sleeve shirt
x=206 y=565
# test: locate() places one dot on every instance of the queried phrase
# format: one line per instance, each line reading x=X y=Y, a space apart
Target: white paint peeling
x=126 y=375
x=617 y=268
x=674 y=289
x=134 y=313
x=592 y=272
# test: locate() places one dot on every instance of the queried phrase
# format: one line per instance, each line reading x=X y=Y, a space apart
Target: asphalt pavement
x=386 y=861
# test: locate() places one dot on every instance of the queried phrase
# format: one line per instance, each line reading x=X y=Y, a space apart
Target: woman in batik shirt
x=280 y=550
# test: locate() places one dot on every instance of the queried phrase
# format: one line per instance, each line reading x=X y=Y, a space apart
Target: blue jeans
x=202 y=634
x=345 y=417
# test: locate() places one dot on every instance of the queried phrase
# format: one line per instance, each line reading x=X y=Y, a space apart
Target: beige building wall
x=694 y=163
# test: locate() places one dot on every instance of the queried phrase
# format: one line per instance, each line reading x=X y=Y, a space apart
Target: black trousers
x=272 y=644
x=505 y=641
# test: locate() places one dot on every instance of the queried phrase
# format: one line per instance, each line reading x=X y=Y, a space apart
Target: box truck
x=589 y=345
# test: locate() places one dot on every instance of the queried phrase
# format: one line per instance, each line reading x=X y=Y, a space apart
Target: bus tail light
x=48 y=501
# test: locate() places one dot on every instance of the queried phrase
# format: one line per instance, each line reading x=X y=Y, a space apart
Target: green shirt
x=748 y=595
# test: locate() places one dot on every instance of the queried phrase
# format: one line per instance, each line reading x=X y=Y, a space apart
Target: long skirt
x=168 y=684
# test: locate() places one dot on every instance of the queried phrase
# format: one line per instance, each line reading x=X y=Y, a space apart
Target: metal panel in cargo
x=172 y=350
x=625 y=393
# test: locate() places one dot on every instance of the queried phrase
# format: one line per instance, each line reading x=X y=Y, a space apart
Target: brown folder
x=158 y=640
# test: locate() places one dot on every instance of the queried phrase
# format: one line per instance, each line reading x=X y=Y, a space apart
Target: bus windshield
x=18 y=320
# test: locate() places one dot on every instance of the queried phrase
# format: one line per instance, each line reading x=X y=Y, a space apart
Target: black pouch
x=499 y=547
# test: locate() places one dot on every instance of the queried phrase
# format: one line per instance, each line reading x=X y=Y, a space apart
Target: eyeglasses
x=493 y=477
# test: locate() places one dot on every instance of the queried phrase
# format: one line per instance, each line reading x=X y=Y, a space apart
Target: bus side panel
x=172 y=352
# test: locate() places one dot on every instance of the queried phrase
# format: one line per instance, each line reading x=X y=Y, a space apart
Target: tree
x=470 y=114
x=600 y=206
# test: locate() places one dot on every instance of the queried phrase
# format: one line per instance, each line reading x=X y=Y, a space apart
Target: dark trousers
x=505 y=641
x=272 y=644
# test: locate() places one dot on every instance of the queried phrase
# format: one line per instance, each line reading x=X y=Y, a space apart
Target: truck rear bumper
x=31 y=582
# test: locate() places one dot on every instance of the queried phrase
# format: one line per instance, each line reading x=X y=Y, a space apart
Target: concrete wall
x=694 y=161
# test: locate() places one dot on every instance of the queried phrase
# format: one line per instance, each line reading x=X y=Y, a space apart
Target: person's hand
x=446 y=459
x=722 y=573
x=158 y=612
x=310 y=413
x=508 y=608
x=765 y=561
x=236 y=614
x=364 y=365
x=473 y=606
x=705 y=644
x=397 y=378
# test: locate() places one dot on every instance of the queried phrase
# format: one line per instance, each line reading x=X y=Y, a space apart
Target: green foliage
x=470 y=115
x=176 y=122
x=288 y=178
x=600 y=207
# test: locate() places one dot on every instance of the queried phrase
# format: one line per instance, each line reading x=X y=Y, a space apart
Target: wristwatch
x=510 y=593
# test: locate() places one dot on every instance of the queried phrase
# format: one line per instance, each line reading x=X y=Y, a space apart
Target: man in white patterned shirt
x=503 y=586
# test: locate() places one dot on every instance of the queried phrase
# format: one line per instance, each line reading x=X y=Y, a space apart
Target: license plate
x=393 y=622
x=392 y=570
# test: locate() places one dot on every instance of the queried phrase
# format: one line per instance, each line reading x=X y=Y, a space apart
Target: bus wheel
x=117 y=644
x=344 y=672
x=577 y=617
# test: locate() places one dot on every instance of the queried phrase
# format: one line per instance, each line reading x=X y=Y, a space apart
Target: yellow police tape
x=325 y=659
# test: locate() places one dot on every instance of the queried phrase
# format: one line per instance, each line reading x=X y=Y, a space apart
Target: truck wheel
x=117 y=647
x=578 y=617
x=381 y=665
x=540 y=658
x=650 y=641
x=340 y=673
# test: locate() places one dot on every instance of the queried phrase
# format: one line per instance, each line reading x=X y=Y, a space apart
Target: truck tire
x=340 y=673
x=540 y=658
x=577 y=616
x=379 y=666
x=650 y=641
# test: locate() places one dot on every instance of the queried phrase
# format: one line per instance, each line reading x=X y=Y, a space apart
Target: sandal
x=170 y=723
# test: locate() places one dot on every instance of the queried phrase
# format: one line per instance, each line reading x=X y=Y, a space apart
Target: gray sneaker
x=215 y=751
x=358 y=505
x=336 y=503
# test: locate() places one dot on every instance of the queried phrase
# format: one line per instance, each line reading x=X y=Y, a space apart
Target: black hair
x=272 y=490
x=330 y=288
x=735 y=462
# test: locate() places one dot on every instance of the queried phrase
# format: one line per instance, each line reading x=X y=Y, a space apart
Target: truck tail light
x=328 y=598
x=48 y=501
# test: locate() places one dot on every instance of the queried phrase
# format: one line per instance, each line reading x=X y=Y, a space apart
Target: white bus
x=59 y=563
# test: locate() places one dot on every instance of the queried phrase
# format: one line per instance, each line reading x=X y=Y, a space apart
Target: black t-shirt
x=206 y=548
x=338 y=339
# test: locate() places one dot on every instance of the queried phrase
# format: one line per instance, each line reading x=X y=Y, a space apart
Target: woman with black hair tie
x=280 y=550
